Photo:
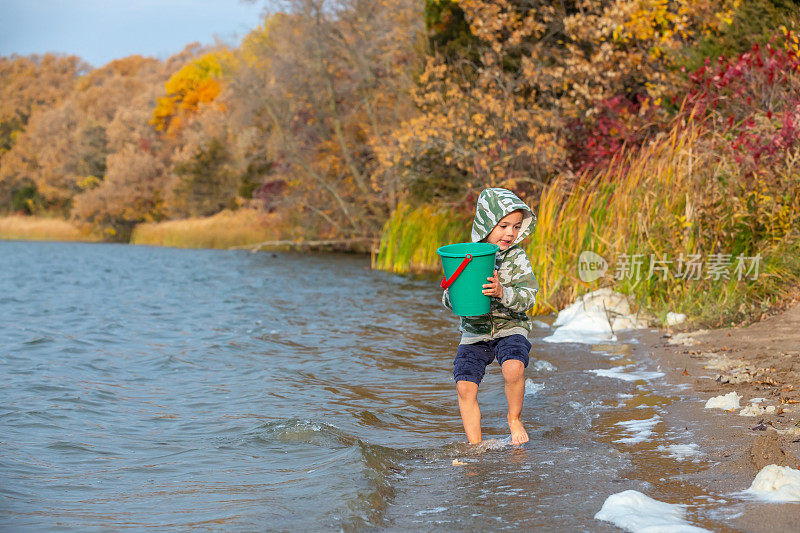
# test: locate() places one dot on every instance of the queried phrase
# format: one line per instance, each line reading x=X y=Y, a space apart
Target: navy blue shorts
x=472 y=359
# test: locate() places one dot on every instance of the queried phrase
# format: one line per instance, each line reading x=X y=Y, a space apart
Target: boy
x=503 y=219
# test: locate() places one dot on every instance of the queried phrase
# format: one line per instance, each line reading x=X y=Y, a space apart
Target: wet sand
x=761 y=360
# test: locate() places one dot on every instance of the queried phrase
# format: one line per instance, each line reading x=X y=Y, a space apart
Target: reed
x=680 y=196
x=223 y=230
x=411 y=237
x=42 y=229
x=677 y=197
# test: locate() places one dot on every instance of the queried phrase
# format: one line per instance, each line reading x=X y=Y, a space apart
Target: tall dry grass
x=637 y=206
x=42 y=229
x=223 y=230
x=412 y=235
x=677 y=197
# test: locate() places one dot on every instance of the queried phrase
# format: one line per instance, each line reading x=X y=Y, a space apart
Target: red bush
x=617 y=122
x=753 y=100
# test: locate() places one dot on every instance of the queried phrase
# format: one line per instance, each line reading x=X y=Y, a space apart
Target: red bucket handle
x=447 y=282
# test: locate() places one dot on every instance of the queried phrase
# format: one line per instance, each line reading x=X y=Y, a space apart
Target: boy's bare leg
x=470 y=412
x=513 y=373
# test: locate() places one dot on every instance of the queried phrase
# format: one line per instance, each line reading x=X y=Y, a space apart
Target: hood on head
x=493 y=205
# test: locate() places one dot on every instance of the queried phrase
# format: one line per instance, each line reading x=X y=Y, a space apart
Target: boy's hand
x=493 y=288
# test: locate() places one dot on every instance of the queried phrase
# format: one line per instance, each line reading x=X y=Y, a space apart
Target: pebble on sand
x=756 y=410
x=674 y=319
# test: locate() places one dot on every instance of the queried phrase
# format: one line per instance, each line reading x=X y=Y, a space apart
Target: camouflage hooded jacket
x=507 y=314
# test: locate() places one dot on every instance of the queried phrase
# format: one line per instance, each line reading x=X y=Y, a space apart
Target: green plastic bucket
x=466 y=266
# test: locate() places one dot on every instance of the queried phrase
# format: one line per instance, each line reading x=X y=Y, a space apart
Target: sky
x=101 y=30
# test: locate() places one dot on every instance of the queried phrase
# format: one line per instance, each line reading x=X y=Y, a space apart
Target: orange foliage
x=500 y=119
x=194 y=85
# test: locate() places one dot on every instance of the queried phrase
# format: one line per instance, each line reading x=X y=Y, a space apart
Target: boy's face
x=505 y=232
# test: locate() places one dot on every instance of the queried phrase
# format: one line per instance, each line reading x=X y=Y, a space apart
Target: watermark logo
x=591 y=266
x=717 y=266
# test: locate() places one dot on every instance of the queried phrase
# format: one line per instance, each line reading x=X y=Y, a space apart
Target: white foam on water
x=539 y=324
x=633 y=511
x=532 y=388
x=728 y=402
x=776 y=484
x=544 y=366
x=431 y=511
x=581 y=326
x=679 y=452
x=594 y=317
x=619 y=372
x=641 y=430
x=494 y=444
x=711 y=499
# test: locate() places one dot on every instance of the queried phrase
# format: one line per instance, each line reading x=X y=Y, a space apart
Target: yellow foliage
x=257 y=46
x=195 y=84
x=88 y=182
x=498 y=125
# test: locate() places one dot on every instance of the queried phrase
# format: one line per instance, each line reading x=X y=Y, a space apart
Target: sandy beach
x=761 y=364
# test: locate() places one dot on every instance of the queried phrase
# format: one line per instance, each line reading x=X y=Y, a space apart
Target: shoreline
x=242 y=229
x=758 y=361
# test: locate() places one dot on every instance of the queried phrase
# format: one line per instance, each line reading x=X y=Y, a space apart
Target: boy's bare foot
x=518 y=433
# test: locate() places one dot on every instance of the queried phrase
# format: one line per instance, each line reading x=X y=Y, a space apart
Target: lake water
x=197 y=389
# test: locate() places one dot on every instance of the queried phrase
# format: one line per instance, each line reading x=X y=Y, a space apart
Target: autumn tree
x=498 y=114
x=339 y=77
x=137 y=178
x=205 y=169
x=28 y=85
x=63 y=150
x=194 y=85
x=31 y=83
x=132 y=192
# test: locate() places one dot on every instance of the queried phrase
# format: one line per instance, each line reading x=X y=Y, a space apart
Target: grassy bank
x=412 y=235
x=674 y=204
x=693 y=221
x=223 y=230
x=41 y=229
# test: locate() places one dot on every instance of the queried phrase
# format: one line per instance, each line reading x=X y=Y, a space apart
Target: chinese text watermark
x=695 y=267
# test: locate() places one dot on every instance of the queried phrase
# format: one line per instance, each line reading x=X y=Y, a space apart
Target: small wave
x=543 y=366
x=38 y=340
x=494 y=444
x=532 y=388
x=66 y=446
x=298 y=431
x=435 y=510
x=464 y=449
